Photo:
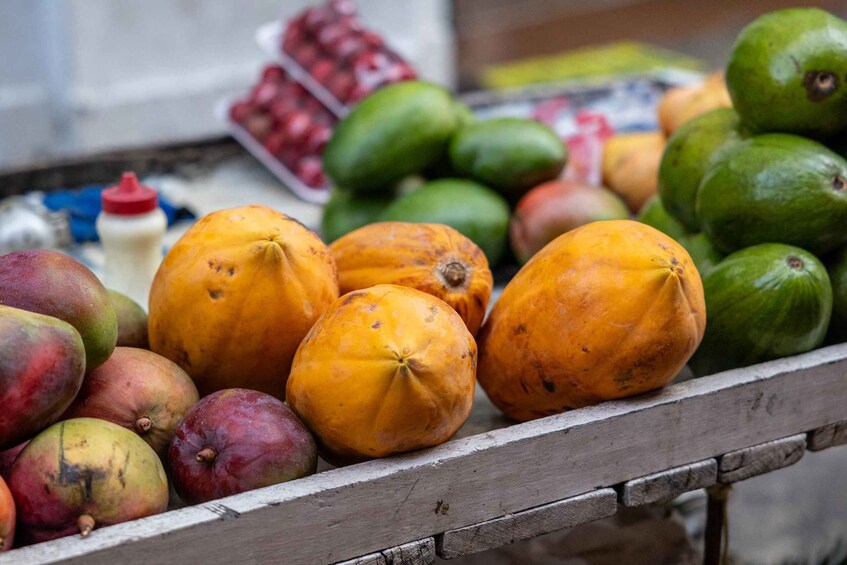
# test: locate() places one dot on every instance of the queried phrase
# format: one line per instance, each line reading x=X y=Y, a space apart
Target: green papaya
x=787 y=73
x=763 y=302
x=688 y=153
x=345 y=212
x=510 y=155
x=474 y=210
x=775 y=188
x=399 y=130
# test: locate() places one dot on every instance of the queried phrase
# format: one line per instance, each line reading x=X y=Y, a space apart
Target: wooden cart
x=497 y=482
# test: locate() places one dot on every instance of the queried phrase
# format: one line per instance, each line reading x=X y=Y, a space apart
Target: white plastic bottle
x=130 y=227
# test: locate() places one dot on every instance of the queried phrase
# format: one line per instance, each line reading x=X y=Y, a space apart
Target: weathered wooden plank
x=421 y=552
x=356 y=510
x=827 y=436
x=751 y=461
x=669 y=484
x=527 y=524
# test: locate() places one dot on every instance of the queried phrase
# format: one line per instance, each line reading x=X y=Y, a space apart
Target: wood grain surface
x=421 y=552
x=537 y=521
x=759 y=459
x=665 y=485
x=827 y=436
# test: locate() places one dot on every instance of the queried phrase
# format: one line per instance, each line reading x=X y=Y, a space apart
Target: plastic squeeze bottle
x=130 y=227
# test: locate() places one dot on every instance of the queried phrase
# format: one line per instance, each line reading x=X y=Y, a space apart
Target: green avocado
x=345 y=212
x=464 y=115
x=689 y=152
x=510 y=155
x=837 y=268
x=787 y=73
x=399 y=130
x=655 y=214
x=699 y=246
x=703 y=252
x=775 y=188
x=474 y=210
x=763 y=302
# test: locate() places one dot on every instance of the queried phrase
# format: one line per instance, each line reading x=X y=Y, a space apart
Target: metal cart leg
x=716 y=538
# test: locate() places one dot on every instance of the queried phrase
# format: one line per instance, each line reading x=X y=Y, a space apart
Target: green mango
x=510 y=155
x=688 y=154
x=763 y=302
x=472 y=209
x=346 y=211
x=787 y=73
x=399 y=130
x=775 y=188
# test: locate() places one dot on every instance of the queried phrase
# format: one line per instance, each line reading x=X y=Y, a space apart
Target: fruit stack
x=757 y=193
x=326 y=59
x=410 y=152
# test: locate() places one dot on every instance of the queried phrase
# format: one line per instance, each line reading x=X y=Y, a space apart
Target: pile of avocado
x=758 y=194
x=411 y=153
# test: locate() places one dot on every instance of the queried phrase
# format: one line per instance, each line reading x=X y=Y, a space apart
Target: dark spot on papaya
x=838 y=183
x=376 y=325
x=231 y=271
x=820 y=85
x=215 y=294
x=794 y=262
x=523 y=386
x=211 y=264
x=478 y=301
x=464 y=355
x=371 y=307
x=521 y=329
x=674 y=261
x=549 y=385
x=585 y=349
x=350 y=297
x=414 y=364
x=218 y=269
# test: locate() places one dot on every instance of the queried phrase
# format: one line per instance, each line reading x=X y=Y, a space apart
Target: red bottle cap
x=129 y=197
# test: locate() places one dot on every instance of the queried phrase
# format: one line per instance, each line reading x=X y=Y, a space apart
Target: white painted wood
x=352 y=511
x=665 y=485
x=528 y=524
x=421 y=552
x=827 y=436
x=759 y=459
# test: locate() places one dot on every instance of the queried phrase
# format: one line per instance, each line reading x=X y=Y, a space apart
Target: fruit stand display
x=371 y=396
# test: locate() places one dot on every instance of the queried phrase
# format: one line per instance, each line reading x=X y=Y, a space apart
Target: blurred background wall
x=85 y=76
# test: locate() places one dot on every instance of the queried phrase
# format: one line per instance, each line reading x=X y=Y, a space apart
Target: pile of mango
x=757 y=193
